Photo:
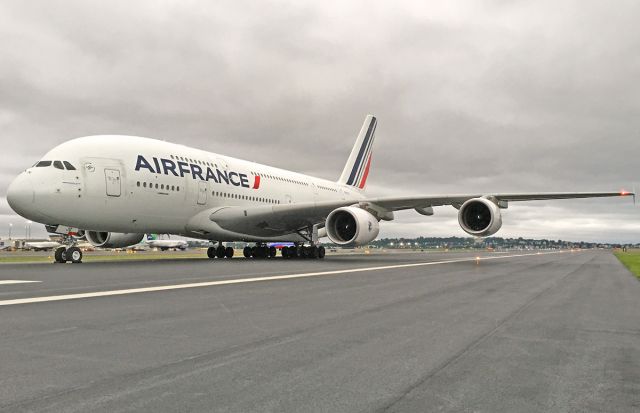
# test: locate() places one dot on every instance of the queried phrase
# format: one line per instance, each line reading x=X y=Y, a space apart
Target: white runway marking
x=249 y=280
x=3 y=282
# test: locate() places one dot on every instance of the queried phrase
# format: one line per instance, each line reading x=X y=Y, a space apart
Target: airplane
x=166 y=244
x=113 y=189
x=41 y=245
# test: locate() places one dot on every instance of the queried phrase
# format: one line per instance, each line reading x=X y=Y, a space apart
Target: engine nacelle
x=480 y=217
x=351 y=226
x=112 y=239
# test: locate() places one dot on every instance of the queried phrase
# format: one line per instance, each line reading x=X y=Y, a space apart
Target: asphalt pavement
x=369 y=333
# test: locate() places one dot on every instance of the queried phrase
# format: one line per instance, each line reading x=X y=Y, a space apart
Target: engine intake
x=112 y=239
x=480 y=217
x=351 y=226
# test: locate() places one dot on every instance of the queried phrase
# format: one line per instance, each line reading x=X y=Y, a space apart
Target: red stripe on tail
x=366 y=173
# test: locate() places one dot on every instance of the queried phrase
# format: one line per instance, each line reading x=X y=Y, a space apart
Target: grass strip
x=631 y=260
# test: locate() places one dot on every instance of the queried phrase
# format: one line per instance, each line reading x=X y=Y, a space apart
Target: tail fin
x=356 y=170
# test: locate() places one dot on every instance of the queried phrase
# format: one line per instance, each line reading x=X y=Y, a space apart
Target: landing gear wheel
x=228 y=252
x=285 y=252
x=313 y=252
x=246 y=252
x=60 y=255
x=321 y=252
x=272 y=252
x=211 y=252
x=74 y=254
x=293 y=252
x=220 y=252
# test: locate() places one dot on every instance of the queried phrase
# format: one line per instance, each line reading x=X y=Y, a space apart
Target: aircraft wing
x=411 y=202
x=273 y=220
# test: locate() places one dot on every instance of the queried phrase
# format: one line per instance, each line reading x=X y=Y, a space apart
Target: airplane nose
x=21 y=194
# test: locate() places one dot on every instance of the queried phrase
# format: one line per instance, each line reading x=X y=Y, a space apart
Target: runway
x=394 y=332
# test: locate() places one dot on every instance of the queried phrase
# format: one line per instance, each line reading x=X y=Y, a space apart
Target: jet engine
x=112 y=239
x=351 y=226
x=480 y=217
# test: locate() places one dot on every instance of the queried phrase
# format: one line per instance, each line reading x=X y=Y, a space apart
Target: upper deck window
x=58 y=165
x=69 y=166
x=43 y=164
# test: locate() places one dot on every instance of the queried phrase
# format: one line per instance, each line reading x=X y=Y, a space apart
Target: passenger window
x=58 y=165
x=173 y=188
x=43 y=164
x=138 y=183
x=144 y=184
x=178 y=188
x=162 y=186
x=156 y=186
x=69 y=166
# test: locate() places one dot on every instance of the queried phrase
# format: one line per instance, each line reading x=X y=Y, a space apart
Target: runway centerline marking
x=5 y=282
x=95 y=294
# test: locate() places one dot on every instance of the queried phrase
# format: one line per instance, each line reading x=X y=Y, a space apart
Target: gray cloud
x=484 y=97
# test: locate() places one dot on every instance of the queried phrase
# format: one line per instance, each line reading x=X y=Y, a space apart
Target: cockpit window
x=69 y=166
x=43 y=164
x=58 y=164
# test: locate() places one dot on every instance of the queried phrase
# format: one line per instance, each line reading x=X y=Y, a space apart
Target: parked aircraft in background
x=117 y=188
x=166 y=244
x=41 y=245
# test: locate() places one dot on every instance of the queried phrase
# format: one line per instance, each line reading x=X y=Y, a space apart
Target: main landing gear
x=302 y=251
x=220 y=252
x=259 y=251
x=294 y=251
x=71 y=254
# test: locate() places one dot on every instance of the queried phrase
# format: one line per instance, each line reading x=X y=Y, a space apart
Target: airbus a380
x=113 y=189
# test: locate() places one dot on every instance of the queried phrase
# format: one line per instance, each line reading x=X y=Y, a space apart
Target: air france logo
x=179 y=168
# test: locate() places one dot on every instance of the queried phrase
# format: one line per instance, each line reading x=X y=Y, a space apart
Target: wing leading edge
x=410 y=202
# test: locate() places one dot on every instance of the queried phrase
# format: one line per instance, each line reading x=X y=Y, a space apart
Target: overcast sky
x=473 y=96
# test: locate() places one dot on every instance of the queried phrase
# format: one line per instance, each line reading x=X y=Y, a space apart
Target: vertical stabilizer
x=356 y=170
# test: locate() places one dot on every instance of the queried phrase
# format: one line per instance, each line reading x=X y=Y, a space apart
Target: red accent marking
x=256 y=182
x=366 y=173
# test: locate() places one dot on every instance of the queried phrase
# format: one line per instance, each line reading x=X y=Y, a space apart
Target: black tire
x=254 y=252
x=272 y=252
x=220 y=252
x=74 y=254
x=313 y=252
x=293 y=252
x=246 y=252
x=321 y=252
x=285 y=252
x=228 y=252
x=211 y=252
x=60 y=255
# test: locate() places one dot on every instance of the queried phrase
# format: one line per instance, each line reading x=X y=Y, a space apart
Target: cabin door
x=112 y=180
x=202 y=193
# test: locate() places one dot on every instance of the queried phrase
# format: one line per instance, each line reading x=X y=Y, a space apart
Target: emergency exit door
x=202 y=193
x=112 y=179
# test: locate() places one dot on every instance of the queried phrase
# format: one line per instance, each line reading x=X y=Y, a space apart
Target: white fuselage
x=140 y=185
